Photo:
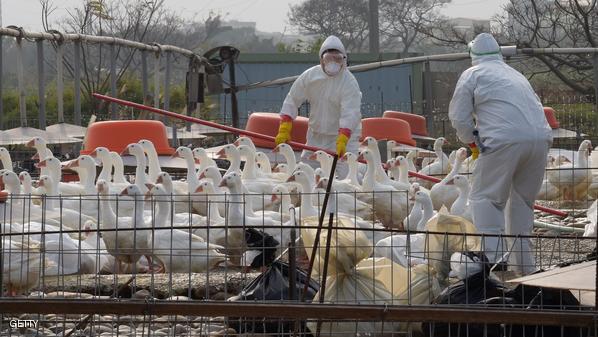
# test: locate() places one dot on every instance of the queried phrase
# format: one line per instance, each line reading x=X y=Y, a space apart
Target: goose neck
x=107 y=216
x=352 y=174
x=289 y=156
x=249 y=169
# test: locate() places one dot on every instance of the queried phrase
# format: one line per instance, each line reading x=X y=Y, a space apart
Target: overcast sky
x=270 y=15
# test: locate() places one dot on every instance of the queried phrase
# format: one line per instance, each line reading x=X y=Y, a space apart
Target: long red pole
x=265 y=137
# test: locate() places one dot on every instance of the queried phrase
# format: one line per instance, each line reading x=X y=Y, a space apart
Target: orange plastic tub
x=551 y=117
x=116 y=135
x=387 y=128
x=267 y=123
x=416 y=122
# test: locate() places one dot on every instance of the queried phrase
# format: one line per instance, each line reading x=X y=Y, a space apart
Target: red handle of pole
x=265 y=137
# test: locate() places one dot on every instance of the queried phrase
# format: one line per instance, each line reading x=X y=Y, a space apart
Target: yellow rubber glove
x=475 y=151
x=284 y=132
x=341 y=141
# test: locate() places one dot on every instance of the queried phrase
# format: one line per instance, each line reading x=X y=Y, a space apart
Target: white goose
x=440 y=166
x=123 y=239
x=348 y=203
x=417 y=212
x=351 y=178
x=178 y=189
x=411 y=158
x=180 y=251
x=167 y=218
x=408 y=249
x=251 y=180
x=69 y=217
x=103 y=154
x=461 y=206
x=202 y=159
x=42 y=151
x=264 y=165
x=187 y=155
x=381 y=177
x=21 y=265
x=87 y=172
x=390 y=205
x=27 y=184
x=119 y=169
x=324 y=159
x=574 y=179
x=153 y=163
x=230 y=153
x=289 y=155
x=141 y=178
x=443 y=194
x=5 y=159
x=548 y=191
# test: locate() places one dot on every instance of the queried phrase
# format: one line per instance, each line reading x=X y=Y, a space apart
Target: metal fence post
x=595 y=58
x=144 y=81
x=41 y=85
x=157 y=81
x=428 y=112
x=113 y=106
x=77 y=80
x=21 y=85
x=1 y=96
x=167 y=97
x=60 y=81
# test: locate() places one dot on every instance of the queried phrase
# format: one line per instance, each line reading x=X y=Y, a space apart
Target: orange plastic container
x=267 y=123
x=116 y=135
x=387 y=128
x=416 y=122
x=551 y=117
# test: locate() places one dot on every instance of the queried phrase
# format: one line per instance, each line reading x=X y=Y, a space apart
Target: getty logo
x=23 y=323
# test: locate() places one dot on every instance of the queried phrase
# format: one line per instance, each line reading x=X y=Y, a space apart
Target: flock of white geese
x=114 y=223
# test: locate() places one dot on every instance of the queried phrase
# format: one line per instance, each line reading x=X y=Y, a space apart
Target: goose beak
x=148 y=195
x=159 y=180
x=236 y=142
x=320 y=184
x=41 y=183
x=1 y=180
x=72 y=164
x=175 y=155
x=363 y=143
x=276 y=149
x=202 y=175
x=93 y=154
x=221 y=154
x=199 y=189
x=291 y=178
x=385 y=166
x=125 y=191
x=21 y=178
x=30 y=143
x=125 y=152
x=451 y=182
x=149 y=186
x=197 y=161
x=274 y=198
x=360 y=158
x=412 y=198
x=344 y=157
x=35 y=156
x=446 y=142
x=313 y=156
x=41 y=164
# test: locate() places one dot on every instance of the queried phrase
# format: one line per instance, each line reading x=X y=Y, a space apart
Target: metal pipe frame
x=293 y=310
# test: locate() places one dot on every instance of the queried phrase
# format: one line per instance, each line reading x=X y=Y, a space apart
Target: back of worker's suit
x=515 y=136
x=334 y=103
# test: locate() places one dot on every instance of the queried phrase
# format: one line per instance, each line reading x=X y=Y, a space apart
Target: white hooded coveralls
x=500 y=103
x=335 y=102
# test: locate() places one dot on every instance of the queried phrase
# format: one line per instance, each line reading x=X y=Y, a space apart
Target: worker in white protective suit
x=498 y=104
x=335 y=103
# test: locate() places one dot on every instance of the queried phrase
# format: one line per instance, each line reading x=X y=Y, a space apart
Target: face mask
x=332 y=69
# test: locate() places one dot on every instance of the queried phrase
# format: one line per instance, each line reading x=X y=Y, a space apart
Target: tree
x=347 y=19
x=138 y=20
x=555 y=24
x=405 y=21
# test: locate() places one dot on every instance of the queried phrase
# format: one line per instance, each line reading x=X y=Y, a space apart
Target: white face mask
x=332 y=68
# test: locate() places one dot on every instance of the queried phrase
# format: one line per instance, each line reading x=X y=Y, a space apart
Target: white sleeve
x=461 y=108
x=350 y=106
x=295 y=98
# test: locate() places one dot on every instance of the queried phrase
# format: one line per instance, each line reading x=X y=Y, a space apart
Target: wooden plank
x=581 y=276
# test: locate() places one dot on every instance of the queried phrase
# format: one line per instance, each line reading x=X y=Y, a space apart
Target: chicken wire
x=366 y=293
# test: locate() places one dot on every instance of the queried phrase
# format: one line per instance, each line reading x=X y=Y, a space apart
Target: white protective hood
x=484 y=47
x=332 y=42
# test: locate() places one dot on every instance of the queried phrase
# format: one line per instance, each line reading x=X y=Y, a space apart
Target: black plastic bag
x=273 y=285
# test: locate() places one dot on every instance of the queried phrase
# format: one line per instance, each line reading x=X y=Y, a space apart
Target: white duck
x=42 y=151
x=324 y=159
x=119 y=169
x=230 y=153
x=439 y=167
x=417 y=212
x=178 y=189
x=187 y=155
x=348 y=203
x=411 y=158
x=87 y=172
x=443 y=194
x=574 y=179
x=548 y=191
x=27 y=184
x=251 y=180
x=351 y=178
x=167 y=218
x=153 y=162
x=390 y=205
x=461 y=206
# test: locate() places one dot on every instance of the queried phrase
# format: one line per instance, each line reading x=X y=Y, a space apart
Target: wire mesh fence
x=214 y=264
